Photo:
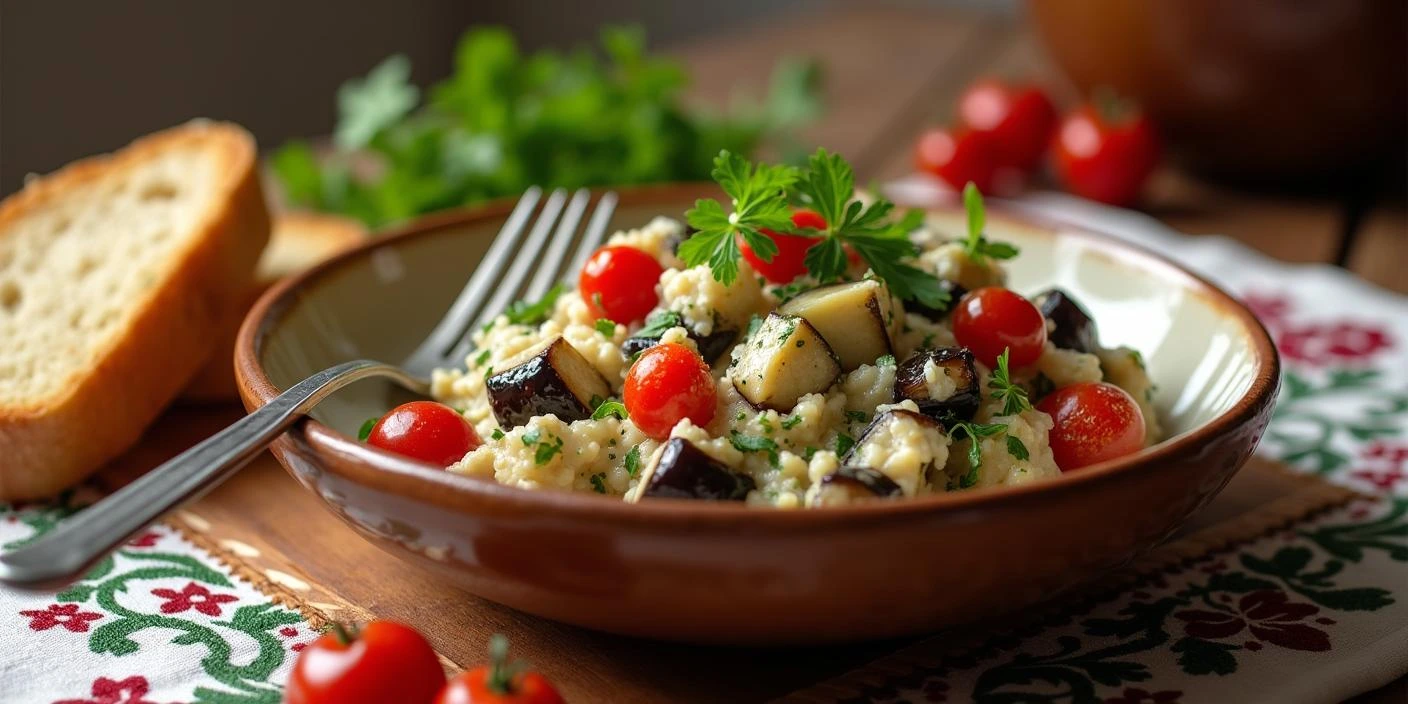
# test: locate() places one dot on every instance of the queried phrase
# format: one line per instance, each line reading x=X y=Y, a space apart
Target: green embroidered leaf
x=1201 y=657
x=1237 y=583
x=76 y=593
x=262 y=617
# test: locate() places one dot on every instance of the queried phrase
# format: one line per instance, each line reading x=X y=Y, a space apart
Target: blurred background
x=1294 y=109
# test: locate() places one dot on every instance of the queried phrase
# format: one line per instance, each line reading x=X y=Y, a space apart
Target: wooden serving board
x=277 y=535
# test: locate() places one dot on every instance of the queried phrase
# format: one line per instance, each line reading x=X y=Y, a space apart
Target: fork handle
x=64 y=554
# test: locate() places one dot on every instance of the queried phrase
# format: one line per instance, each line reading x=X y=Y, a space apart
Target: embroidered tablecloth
x=1315 y=612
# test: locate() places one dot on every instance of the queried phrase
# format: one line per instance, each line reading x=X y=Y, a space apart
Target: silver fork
x=69 y=550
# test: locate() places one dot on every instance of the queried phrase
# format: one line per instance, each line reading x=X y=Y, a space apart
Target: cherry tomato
x=385 y=662
x=992 y=319
x=1106 y=156
x=498 y=683
x=668 y=383
x=618 y=283
x=1019 y=118
x=958 y=156
x=1093 y=422
x=427 y=431
x=789 y=262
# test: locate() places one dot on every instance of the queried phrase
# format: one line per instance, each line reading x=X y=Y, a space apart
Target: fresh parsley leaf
x=658 y=323
x=534 y=312
x=532 y=436
x=1137 y=358
x=844 y=443
x=366 y=430
x=598 y=483
x=610 y=408
x=751 y=443
x=809 y=452
x=633 y=460
x=974 y=432
x=857 y=416
x=977 y=244
x=759 y=200
x=790 y=291
x=543 y=454
x=1013 y=397
x=481 y=358
x=498 y=434
x=368 y=106
x=488 y=372
x=606 y=328
x=1017 y=449
x=791 y=422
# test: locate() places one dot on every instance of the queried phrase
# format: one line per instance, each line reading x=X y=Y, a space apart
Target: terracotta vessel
x=709 y=573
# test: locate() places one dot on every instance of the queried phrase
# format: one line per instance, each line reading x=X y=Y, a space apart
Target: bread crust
x=49 y=444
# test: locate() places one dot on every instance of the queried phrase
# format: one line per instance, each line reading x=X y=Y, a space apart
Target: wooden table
x=889 y=73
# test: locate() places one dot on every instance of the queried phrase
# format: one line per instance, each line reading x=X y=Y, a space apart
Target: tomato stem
x=344 y=633
x=500 y=670
x=1112 y=107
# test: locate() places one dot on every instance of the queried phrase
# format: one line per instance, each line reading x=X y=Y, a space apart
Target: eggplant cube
x=950 y=394
x=902 y=445
x=1075 y=329
x=554 y=379
x=853 y=317
x=782 y=361
x=850 y=484
x=684 y=471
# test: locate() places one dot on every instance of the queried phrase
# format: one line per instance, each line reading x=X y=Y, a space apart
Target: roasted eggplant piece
x=955 y=292
x=886 y=433
x=872 y=432
x=684 y=471
x=851 y=484
x=1075 y=329
x=555 y=379
x=782 y=361
x=710 y=346
x=853 y=317
x=948 y=406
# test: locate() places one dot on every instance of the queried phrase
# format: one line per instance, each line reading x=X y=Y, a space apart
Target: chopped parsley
x=532 y=436
x=754 y=443
x=610 y=408
x=759 y=201
x=599 y=483
x=791 y=291
x=844 y=443
x=885 y=360
x=1137 y=358
x=791 y=422
x=977 y=245
x=741 y=415
x=606 y=328
x=857 y=416
x=481 y=358
x=366 y=430
x=488 y=372
x=498 y=434
x=1013 y=397
x=754 y=323
x=546 y=450
x=533 y=312
x=809 y=453
x=928 y=342
x=976 y=431
x=658 y=323
x=1017 y=449
x=633 y=460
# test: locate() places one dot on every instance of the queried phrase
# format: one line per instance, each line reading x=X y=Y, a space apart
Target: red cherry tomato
x=1019 y=118
x=1093 y=422
x=498 y=683
x=618 y=283
x=992 y=319
x=789 y=262
x=1106 y=157
x=385 y=662
x=668 y=383
x=427 y=431
x=958 y=156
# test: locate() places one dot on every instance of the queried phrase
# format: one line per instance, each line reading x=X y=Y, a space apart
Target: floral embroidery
x=193 y=596
x=1268 y=614
x=131 y=690
x=66 y=615
x=145 y=540
x=1342 y=342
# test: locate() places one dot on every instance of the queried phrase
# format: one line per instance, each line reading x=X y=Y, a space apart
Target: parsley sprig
x=976 y=431
x=759 y=194
x=977 y=245
x=1013 y=396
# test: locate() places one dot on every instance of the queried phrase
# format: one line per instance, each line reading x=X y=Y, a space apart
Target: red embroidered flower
x=195 y=597
x=1337 y=342
x=1267 y=614
x=131 y=690
x=66 y=615
x=1271 y=309
x=1134 y=695
x=145 y=540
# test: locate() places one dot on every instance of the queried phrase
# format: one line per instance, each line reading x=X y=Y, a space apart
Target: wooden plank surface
x=889 y=72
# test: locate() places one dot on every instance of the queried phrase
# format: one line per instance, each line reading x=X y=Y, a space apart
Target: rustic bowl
x=722 y=573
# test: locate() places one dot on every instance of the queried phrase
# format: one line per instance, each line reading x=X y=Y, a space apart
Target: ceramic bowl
x=714 y=573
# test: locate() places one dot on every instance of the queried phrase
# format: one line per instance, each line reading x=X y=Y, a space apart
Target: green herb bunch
x=505 y=120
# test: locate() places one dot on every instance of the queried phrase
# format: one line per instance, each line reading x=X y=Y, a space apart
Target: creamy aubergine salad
x=797 y=346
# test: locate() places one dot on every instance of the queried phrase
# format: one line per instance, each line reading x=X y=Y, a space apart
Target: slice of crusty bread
x=116 y=275
x=297 y=242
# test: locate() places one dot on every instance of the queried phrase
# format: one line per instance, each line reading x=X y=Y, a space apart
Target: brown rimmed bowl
x=711 y=573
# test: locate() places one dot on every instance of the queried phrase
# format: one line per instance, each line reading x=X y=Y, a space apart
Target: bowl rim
x=365 y=465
